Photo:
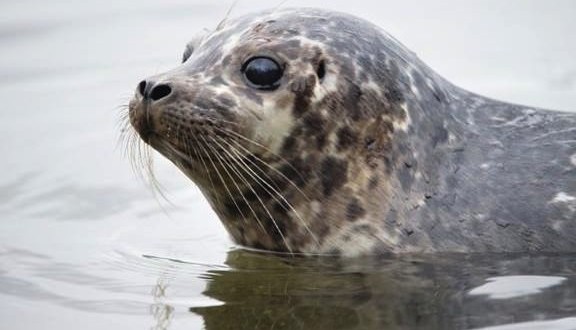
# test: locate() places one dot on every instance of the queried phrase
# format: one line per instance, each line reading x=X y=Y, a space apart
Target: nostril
x=142 y=87
x=160 y=92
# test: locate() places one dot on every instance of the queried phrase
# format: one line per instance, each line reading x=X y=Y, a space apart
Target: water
x=84 y=242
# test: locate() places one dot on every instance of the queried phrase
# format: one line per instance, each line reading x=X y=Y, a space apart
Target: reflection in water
x=427 y=292
x=505 y=287
x=76 y=224
x=161 y=311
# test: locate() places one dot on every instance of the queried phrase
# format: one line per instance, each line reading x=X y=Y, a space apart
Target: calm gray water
x=84 y=243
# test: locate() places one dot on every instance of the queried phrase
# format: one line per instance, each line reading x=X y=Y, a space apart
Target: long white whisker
x=267 y=186
x=221 y=160
x=221 y=178
x=283 y=160
x=189 y=146
x=272 y=168
x=255 y=194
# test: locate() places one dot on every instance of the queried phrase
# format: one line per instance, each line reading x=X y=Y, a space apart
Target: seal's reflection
x=263 y=291
x=161 y=311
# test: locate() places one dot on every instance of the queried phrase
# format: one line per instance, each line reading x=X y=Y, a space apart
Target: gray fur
x=384 y=155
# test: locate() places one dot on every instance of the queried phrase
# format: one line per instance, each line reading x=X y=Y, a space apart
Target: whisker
x=221 y=160
x=267 y=186
x=271 y=168
x=254 y=192
x=141 y=161
x=244 y=180
x=283 y=160
x=203 y=148
x=225 y=19
x=151 y=179
x=188 y=147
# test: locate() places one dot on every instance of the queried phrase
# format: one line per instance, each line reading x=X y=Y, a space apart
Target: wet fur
x=363 y=149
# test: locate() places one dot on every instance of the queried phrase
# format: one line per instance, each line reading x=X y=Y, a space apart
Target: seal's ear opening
x=321 y=70
x=194 y=44
x=187 y=52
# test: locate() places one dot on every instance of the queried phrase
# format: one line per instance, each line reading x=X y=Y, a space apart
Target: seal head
x=315 y=132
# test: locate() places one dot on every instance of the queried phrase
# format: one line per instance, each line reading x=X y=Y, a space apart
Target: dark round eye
x=263 y=73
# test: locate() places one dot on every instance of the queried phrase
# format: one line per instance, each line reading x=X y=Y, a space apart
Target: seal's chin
x=147 y=135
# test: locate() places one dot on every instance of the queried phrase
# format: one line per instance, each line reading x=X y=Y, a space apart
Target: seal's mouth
x=147 y=135
x=141 y=120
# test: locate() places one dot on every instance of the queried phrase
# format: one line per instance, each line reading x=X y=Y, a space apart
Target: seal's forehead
x=315 y=24
x=346 y=34
x=349 y=43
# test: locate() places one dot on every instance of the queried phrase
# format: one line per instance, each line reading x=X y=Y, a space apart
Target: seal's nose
x=153 y=91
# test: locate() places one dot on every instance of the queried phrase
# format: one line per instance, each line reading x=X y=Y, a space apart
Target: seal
x=315 y=132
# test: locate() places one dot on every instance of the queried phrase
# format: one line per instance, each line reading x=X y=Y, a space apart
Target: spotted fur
x=362 y=149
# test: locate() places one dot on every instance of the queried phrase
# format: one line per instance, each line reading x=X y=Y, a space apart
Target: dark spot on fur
x=436 y=96
x=321 y=70
x=370 y=143
x=335 y=252
x=314 y=123
x=334 y=174
x=393 y=95
x=373 y=183
x=362 y=228
x=276 y=229
x=303 y=88
x=502 y=224
x=256 y=193
x=352 y=100
x=354 y=210
x=387 y=126
x=320 y=141
x=281 y=207
x=289 y=145
x=392 y=218
x=418 y=80
x=296 y=171
x=440 y=136
x=346 y=138
x=365 y=62
x=258 y=245
x=406 y=177
x=236 y=209
x=217 y=80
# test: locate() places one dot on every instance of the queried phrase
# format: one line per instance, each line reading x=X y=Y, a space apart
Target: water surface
x=84 y=241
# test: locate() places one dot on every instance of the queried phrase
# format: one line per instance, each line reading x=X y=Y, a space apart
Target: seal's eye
x=263 y=73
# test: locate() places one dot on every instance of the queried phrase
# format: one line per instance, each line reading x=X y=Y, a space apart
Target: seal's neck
x=357 y=180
